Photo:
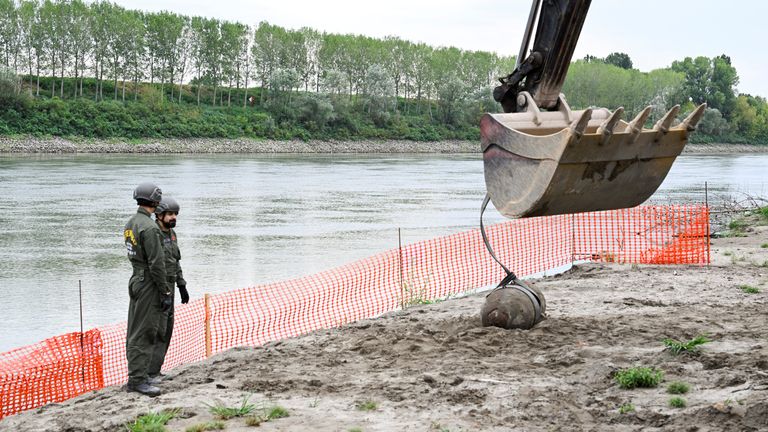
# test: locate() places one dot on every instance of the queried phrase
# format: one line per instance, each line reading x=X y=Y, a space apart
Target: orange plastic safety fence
x=53 y=370
x=57 y=368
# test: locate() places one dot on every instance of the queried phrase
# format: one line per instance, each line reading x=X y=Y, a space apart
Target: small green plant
x=226 y=413
x=367 y=406
x=626 y=408
x=764 y=245
x=749 y=289
x=677 y=402
x=690 y=347
x=763 y=211
x=415 y=293
x=276 y=412
x=201 y=427
x=639 y=377
x=677 y=387
x=152 y=422
x=737 y=228
x=355 y=429
x=727 y=253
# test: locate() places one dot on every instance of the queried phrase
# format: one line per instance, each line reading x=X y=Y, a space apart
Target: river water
x=246 y=219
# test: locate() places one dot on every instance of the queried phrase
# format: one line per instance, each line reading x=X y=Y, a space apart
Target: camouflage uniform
x=173 y=276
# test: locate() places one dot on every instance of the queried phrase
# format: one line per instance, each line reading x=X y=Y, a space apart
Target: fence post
x=207 y=325
x=400 y=263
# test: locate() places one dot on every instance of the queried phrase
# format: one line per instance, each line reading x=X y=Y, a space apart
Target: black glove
x=166 y=303
x=184 y=294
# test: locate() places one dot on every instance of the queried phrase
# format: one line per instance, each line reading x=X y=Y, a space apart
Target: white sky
x=653 y=32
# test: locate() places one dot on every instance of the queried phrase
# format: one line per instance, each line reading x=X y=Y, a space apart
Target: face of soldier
x=169 y=219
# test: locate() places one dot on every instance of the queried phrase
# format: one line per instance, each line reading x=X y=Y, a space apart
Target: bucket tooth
x=662 y=126
x=693 y=118
x=608 y=126
x=636 y=125
x=580 y=126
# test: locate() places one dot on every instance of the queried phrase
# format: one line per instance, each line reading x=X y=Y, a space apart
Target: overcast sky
x=653 y=32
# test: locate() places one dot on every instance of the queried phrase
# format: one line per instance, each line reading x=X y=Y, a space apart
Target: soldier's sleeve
x=153 y=250
x=179 y=276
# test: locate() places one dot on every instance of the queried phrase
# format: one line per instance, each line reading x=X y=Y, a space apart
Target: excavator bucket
x=540 y=163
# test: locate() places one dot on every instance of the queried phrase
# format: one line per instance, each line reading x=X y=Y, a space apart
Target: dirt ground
x=435 y=368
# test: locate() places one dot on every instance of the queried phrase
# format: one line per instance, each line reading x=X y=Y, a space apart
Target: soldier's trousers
x=146 y=322
x=161 y=346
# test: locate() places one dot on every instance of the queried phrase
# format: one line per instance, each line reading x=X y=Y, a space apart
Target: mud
x=435 y=368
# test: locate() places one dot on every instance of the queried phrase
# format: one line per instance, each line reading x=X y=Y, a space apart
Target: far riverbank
x=218 y=145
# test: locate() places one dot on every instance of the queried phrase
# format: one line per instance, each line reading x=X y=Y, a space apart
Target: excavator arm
x=541 y=158
x=542 y=72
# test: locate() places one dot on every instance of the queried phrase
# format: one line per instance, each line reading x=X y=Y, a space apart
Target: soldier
x=165 y=216
x=149 y=291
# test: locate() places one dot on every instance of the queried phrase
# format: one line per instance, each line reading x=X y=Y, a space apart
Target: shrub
x=677 y=402
x=639 y=377
x=677 y=387
x=692 y=346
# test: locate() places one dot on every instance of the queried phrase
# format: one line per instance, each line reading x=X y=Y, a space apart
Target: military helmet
x=167 y=204
x=147 y=192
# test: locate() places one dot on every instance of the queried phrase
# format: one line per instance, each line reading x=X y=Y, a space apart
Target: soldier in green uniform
x=165 y=217
x=148 y=288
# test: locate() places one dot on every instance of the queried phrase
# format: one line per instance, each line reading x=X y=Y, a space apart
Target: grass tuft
x=626 y=408
x=277 y=412
x=764 y=245
x=201 y=427
x=639 y=377
x=152 y=422
x=253 y=421
x=677 y=387
x=367 y=406
x=690 y=347
x=225 y=413
x=677 y=402
x=749 y=289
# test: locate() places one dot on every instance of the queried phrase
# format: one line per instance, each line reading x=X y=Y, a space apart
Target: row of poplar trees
x=73 y=39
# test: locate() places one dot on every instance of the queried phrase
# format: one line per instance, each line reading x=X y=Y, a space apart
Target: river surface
x=246 y=220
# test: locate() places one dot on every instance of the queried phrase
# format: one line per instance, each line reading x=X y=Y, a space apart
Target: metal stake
x=82 y=346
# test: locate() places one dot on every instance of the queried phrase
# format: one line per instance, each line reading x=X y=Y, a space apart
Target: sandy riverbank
x=202 y=146
x=434 y=368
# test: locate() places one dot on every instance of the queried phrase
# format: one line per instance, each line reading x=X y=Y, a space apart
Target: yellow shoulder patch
x=128 y=235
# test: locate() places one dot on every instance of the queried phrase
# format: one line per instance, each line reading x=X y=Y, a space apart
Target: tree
x=709 y=80
x=619 y=59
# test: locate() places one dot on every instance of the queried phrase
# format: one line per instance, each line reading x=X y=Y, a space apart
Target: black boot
x=144 y=388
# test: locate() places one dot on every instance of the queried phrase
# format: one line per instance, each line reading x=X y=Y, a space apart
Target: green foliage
x=267 y=414
x=677 y=402
x=618 y=59
x=276 y=412
x=635 y=377
x=677 y=387
x=749 y=289
x=170 y=75
x=626 y=408
x=152 y=422
x=763 y=212
x=209 y=426
x=691 y=346
x=367 y=406
x=225 y=413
